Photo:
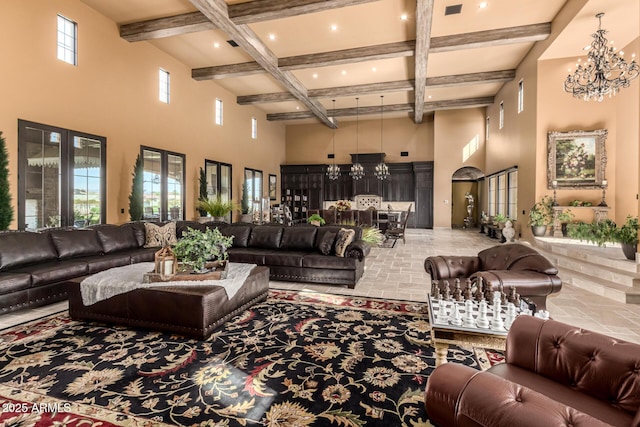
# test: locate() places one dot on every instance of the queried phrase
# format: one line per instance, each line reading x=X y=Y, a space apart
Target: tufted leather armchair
x=554 y=374
x=501 y=267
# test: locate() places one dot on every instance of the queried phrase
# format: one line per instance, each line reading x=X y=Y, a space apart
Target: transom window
x=164 y=85
x=501 y=114
x=520 y=96
x=254 y=128
x=67 y=40
x=219 y=112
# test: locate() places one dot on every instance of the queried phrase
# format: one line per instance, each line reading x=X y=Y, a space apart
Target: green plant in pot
x=245 y=204
x=565 y=217
x=627 y=235
x=316 y=219
x=217 y=208
x=195 y=248
x=540 y=216
x=372 y=236
x=500 y=219
x=599 y=232
x=202 y=191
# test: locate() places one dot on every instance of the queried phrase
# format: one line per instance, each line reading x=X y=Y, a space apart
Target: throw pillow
x=159 y=236
x=326 y=243
x=344 y=238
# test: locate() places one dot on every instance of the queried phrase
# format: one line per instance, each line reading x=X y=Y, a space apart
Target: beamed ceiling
x=293 y=57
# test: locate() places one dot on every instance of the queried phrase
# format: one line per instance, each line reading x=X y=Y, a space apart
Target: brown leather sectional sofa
x=555 y=375
x=35 y=268
x=501 y=267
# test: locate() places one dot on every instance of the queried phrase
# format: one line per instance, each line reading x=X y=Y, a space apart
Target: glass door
x=218 y=181
x=61 y=179
x=163 y=182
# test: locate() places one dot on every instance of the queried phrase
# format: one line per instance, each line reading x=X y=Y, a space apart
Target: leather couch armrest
x=358 y=249
x=535 y=283
x=449 y=267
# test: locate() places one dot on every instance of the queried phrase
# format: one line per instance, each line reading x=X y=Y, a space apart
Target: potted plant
x=217 y=208
x=316 y=220
x=202 y=192
x=540 y=216
x=245 y=204
x=565 y=217
x=372 y=235
x=6 y=212
x=136 y=202
x=627 y=235
x=599 y=232
x=500 y=219
x=195 y=248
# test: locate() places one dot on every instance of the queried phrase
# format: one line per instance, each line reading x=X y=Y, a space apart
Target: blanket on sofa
x=119 y=280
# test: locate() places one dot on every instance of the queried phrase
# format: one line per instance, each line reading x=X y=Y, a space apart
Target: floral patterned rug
x=297 y=359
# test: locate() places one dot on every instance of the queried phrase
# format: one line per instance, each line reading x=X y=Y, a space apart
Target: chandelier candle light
x=605 y=71
x=357 y=171
x=333 y=170
x=382 y=170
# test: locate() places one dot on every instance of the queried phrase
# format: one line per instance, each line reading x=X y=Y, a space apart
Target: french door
x=61 y=177
x=218 y=181
x=163 y=180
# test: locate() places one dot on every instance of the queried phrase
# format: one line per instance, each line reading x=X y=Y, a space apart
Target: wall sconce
x=603 y=203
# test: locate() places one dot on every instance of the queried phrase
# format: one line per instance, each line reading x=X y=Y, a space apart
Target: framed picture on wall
x=576 y=159
x=273 y=180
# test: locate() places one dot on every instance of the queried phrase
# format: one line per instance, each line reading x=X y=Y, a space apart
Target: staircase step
x=604 y=288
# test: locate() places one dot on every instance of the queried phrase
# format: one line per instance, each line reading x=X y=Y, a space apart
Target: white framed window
x=520 y=96
x=219 y=112
x=501 y=114
x=486 y=129
x=512 y=194
x=254 y=128
x=502 y=193
x=164 y=79
x=67 y=40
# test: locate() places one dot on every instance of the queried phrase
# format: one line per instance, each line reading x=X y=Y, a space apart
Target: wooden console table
x=600 y=213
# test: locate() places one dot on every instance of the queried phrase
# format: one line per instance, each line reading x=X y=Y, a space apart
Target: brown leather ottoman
x=188 y=310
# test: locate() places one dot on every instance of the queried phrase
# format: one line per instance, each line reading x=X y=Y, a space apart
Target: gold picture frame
x=576 y=159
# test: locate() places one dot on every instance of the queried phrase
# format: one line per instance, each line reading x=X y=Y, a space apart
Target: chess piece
x=457 y=292
x=447 y=291
x=496 y=322
x=480 y=290
x=511 y=315
x=442 y=311
x=434 y=288
x=468 y=320
x=512 y=295
x=467 y=291
x=456 y=317
x=482 y=321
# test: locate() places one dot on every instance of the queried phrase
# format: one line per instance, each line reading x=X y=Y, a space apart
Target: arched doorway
x=466 y=191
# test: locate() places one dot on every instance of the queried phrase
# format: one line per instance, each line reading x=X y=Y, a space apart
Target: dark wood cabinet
x=407 y=181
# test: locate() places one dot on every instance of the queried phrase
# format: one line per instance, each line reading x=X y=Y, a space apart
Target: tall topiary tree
x=6 y=212
x=136 y=203
x=203 y=191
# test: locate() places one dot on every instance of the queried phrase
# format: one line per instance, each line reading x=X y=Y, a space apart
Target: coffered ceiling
x=295 y=56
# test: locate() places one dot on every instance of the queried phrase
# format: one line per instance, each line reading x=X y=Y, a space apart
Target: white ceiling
x=374 y=23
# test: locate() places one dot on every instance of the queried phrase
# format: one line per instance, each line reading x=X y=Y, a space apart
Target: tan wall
x=453 y=130
x=113 y=92
x=310 y=143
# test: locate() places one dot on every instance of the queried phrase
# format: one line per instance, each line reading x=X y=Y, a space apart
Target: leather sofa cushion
x=327 y=242
x=250 y=256
x=23 y=248
x=284 y=258
x=104 y=262
x=74 y=243
x=141 y=255
x=115 y=238
x=55 y=271
x=515 y=257
x=183 y=226
x=299 y=238
x=329 y=262
x=265 y=237
x=240 y=234
x=12 y=282
x=138 y=231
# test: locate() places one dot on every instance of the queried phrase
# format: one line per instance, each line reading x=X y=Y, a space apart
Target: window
x=503 y=193
x=61 y=179
x=164 y=85
x=218 y=181
x=253 y=178
x=67 y=40
x=486 y=130
x=163 y=182
x=520 y=96
x=219 y=112
x=254 y=128
x=501 y=114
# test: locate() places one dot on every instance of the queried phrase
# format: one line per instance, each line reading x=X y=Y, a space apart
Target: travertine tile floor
x=398 y=273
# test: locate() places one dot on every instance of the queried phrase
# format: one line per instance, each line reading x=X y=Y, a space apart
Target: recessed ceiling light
x=272 y=37
x=344 y=72
x=315 y=75
x=216 y=45
x=404 y=17
x=483 y=5
x=374 y=69
x=334 y=27
x=429 y=97
x=297 y=108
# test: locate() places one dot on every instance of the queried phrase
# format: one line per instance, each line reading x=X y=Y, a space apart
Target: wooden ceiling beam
x=424 y=18
x=394 y=108
x=384 y=87
x=242 y=13
x=526 y=33
x=217 y=11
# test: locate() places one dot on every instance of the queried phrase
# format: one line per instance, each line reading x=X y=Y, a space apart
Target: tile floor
x=398 y=273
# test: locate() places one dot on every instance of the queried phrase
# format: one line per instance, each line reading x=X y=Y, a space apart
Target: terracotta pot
x=539 y=230
x=629 y=250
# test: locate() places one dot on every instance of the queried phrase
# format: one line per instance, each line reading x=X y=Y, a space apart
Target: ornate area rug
x=298 y=359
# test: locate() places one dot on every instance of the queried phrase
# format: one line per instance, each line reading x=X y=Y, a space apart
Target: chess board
x=437 y=321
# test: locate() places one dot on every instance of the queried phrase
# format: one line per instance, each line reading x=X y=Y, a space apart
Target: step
x=607 y=289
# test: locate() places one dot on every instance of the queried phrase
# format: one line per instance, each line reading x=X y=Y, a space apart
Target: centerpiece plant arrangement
x=197 y=247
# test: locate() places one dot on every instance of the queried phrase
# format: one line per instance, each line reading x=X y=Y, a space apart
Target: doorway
x=466 y=197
